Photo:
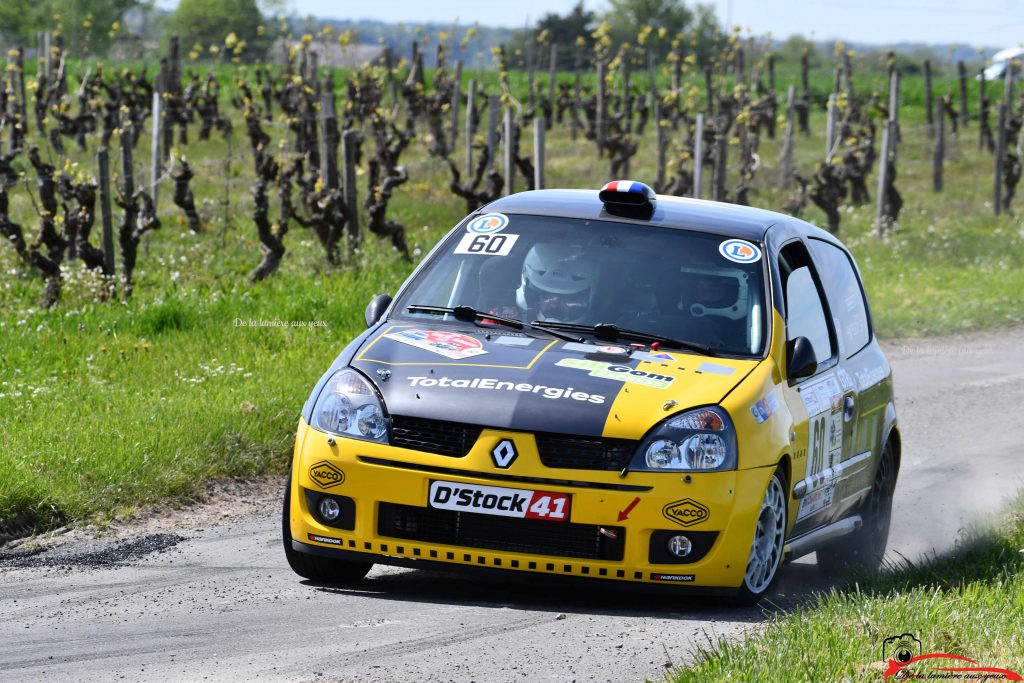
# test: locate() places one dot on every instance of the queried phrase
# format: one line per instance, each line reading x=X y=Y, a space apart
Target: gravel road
x=205 y=594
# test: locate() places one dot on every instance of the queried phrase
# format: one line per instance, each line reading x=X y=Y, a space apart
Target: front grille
x=453 y=439
x=472 y=530
x=582 y=453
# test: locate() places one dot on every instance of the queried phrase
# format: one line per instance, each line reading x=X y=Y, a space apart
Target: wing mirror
x=801 y=360
x=375 y=309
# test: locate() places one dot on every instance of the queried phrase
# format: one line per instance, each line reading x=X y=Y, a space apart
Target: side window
x=805 y=312
x=845 y=295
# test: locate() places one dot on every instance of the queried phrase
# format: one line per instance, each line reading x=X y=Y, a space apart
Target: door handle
x=849 y=404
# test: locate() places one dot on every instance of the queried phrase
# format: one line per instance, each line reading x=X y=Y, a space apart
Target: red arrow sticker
x=629 y=508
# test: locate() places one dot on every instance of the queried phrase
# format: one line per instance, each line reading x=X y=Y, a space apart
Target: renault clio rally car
x=613 y=386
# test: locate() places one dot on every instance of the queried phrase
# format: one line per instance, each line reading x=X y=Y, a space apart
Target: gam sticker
x=487 y=224
x=739 y=251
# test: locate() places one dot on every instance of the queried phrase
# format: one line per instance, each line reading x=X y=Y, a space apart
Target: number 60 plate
x=498 y=244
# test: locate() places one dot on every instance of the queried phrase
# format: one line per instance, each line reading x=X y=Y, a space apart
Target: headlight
x=349 y=406
x=700 y=440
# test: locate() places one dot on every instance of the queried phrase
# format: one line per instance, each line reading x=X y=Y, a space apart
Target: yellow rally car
x=612 y=386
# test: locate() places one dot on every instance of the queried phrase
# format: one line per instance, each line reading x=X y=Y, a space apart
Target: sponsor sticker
x=679 y=578
x=622 y=373
x=500 y=501
x=686 y=512
x=716 y=369
x=491 y=384
x=496 y=244
x=448 y=344
x=659 y=357
x=506 y=340
x=815 y=501
x=610 y=349
x=324 y=539
x=326 y=475
x=821 y=396
x=823 y=399
x=764 y=408
x=487 y=224
x=739 y=251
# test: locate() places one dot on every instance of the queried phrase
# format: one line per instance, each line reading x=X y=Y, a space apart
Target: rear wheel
x=864 y=548
x=767 y=546
x=313 y=567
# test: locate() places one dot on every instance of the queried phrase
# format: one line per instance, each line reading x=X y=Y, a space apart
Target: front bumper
x=608 y=534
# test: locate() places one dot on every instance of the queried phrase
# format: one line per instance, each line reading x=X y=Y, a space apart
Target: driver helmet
x=558 y=283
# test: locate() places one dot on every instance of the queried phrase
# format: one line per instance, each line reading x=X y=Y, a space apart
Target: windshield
x=674 y=283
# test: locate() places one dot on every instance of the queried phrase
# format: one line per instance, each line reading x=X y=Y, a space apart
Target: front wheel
x=769 y=539
x=864 y=548
x=313 y=567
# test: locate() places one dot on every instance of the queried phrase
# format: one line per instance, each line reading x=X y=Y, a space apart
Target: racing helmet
x=558 y=283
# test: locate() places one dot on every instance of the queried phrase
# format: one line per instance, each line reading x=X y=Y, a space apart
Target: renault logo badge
x=504 y=454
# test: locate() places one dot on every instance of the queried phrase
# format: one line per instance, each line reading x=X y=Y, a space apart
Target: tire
x=863 y=549
x=769 y=542
x=314 y=567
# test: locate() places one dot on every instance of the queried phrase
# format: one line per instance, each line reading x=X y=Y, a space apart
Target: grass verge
x=969 y=603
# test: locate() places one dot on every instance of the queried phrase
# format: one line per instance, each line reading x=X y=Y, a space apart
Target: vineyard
x=181 y=235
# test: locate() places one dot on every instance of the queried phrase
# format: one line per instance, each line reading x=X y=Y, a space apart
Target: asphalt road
x=211 y=598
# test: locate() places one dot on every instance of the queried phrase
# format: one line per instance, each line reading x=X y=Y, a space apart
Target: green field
x=105 y=406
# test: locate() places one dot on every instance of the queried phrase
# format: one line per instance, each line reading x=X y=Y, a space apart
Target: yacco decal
x=491 y=384
x=739 y=251
x=447 y=344
x=622 y=373
x=686 y=512
x=488 y=223
x=326 y=475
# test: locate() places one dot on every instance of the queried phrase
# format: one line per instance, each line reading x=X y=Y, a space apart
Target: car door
x=861 y=367
x=822 y=439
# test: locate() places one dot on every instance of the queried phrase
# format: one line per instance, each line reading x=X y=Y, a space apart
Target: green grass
x=969 y=603
x=106 y=405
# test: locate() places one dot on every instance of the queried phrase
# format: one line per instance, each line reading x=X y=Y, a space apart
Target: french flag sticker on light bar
x=627 y=193
x=622 y=186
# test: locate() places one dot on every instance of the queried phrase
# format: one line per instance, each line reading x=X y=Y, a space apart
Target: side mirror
x=800 y=358
x=375 y=309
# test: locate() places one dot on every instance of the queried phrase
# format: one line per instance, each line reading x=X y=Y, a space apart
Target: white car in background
x=1000 y=61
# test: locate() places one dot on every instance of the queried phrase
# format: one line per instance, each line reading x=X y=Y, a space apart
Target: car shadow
x=798 y=583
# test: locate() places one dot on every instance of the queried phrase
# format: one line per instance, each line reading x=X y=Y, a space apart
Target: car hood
x=507 y=380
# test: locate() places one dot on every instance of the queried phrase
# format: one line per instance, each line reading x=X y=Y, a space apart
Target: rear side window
x=845 y=295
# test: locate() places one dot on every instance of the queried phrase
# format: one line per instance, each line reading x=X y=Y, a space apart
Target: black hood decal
x=507 y=380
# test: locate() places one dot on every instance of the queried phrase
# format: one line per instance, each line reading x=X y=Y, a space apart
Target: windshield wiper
x=556 y=331
x=466 y=314
x=611 y=333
